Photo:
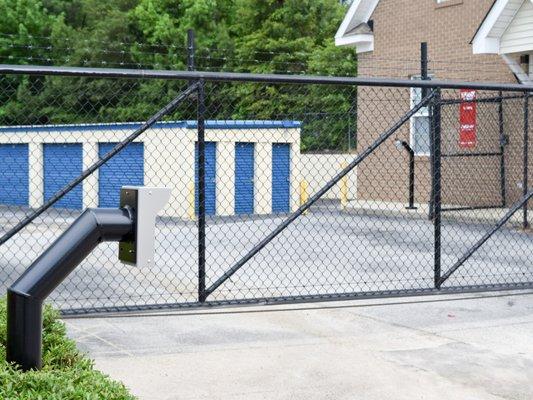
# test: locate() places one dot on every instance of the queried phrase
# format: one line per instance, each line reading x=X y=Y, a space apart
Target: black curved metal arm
x=25 y=297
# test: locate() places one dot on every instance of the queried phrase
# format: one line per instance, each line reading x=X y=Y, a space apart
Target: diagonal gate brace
x=304 y=207
x=517 y=206
x=170 y=107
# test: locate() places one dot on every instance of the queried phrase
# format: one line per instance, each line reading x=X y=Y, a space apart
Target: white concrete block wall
x=225 y=177
x=318 y=169
x=169 y=161
x=36 y=172
x=90 y=184
x=263 y=178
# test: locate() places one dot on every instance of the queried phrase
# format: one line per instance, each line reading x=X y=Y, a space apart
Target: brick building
x=481 y=40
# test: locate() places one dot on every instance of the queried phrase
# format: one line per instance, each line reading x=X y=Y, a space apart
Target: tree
x=261 y=36
x=295 y=36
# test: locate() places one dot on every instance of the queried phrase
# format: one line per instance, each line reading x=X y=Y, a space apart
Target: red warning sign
x=468 y=119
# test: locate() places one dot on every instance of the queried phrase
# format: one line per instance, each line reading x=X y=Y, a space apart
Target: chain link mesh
x=269 y=148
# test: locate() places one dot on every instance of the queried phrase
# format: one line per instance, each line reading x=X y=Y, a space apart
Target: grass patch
x=66 y=373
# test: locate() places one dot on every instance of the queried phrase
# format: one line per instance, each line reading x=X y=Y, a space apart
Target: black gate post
x=200 y=159
x=424 y=65
x=503 y=143
x=411 y=205
x=190 y=50
x=436 y=189
x=525 y=222
x=201 y=191
x=424 y=76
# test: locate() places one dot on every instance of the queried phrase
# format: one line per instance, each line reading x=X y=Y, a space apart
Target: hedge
x=66 y=372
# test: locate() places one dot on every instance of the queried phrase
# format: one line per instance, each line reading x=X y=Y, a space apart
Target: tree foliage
x=260 y=36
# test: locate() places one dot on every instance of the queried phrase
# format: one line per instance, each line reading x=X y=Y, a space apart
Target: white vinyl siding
x=505 y=18
x=518 y=37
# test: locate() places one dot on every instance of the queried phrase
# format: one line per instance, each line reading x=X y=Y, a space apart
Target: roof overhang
x=359 y=12
x=500 y=16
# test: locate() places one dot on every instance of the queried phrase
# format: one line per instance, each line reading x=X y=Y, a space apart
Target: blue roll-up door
x=123 y=169
x=62 y=164
x=14 y=174
x=244 y=178
x=281 y=172
x=210 y=178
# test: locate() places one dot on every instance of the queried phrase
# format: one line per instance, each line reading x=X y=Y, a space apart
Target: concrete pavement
x=440 y=347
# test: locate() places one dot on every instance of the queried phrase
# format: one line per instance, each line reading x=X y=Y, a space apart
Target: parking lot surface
x=327 y=251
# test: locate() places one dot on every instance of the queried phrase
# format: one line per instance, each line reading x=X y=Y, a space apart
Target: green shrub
x=66 y=373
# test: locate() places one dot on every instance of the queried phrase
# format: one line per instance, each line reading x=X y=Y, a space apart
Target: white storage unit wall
x=168 y=149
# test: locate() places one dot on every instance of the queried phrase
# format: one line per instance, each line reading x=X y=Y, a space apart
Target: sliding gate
x=344 y=231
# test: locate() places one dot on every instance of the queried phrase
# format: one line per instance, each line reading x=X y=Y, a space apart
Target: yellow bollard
x=304 y=195
x=344 y=188
x=191 y=198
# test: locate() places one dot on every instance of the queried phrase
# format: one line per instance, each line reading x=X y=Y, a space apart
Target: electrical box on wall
x=145 y=203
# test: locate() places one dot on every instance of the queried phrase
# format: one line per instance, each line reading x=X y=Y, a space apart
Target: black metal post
x=424 y=76
x=201 y=191
x=405 y=145
x=436 y=133
x=190 y=50
x=26 y=296
x=424 y=65
x=503 y=143
x=525 y=184
x=411 y=180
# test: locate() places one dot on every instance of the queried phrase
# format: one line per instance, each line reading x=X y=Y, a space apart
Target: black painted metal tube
x=488 y=154
x=411 y=204
x=525 y=147
x=25 y=297
x=503 y=143
x=424 y=65
x=201 y=191
x=437 y=186
x=496 y=99
x=7 y=69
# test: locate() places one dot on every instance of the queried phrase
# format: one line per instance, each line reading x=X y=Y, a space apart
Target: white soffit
x=359 y=12
x=487 y=38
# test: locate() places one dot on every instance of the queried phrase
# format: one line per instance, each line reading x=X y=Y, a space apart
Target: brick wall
x=399 y=28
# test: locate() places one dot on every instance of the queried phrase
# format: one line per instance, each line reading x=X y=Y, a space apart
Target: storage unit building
x=241 y=177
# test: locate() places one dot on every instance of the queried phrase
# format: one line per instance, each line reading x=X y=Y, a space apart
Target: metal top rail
x=248 y=77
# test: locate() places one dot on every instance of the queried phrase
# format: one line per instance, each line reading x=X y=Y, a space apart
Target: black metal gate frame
x=500 y=99
x=197 y=81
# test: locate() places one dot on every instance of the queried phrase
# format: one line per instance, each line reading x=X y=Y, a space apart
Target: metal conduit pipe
x=26 y=296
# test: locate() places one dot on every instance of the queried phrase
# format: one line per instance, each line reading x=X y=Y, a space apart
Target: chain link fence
x=284 y=188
